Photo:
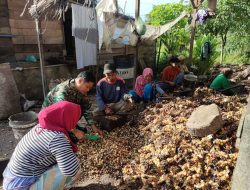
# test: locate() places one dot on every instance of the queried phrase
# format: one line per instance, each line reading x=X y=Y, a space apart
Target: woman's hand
x=98 y=131
x=80 y=135
x=108 y=111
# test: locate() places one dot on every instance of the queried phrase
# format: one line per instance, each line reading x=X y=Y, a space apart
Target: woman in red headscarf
x=45 y=157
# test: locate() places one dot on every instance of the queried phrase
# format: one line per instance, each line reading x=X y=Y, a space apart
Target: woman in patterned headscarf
x=143 y=90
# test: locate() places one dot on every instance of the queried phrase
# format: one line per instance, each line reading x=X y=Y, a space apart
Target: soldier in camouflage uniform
x=75 y=90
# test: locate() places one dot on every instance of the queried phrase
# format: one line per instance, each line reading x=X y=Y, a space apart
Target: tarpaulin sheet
x=153 y=32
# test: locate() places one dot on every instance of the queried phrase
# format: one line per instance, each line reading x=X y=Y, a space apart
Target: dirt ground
x=7 y=140
x=7 y=146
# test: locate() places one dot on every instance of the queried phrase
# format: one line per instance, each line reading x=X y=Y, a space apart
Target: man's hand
x=98 y=131
x=80 y=135
x=127 y=98
x=165 y=95
x=171 y=83
x=108 y=111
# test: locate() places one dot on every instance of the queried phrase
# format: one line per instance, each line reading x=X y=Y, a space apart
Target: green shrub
x=202 y=67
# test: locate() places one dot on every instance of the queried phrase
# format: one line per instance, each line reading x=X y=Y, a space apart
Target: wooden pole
x=158 y=56
x=195 y=5
x=137 y=8
x=137 y=14
x=193 y=27
x=41 y=53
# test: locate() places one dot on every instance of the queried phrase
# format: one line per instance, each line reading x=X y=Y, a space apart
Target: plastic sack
x=31 y=58
x=140 y=26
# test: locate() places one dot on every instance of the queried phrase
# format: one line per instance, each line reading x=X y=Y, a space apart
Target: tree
x=231 y=17
x=176 y=39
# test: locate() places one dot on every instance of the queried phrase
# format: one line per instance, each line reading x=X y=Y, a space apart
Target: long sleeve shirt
x=169 y=73
x=67 y=91
x=40 y=149
x=109 y=93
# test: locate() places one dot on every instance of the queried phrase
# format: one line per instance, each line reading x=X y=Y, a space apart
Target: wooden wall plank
x=27 y=24
x=5 y=42
x=3 y=2
x=4 y=11
x=5 y=30
x=6 y=51
x=33 y=40
x=33 y=48
x=4 y=22
x=15 y=14
x=17 y=4
x=6 y=46
x=24 y=40
x=22 y=24
x=23 y=32
x=53 y=40
x=32 y=32
x=7 y=58
x=131 y=50
x=47 y=55
x=16 y=8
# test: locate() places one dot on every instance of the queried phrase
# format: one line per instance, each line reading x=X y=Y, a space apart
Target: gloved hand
x=127 y=97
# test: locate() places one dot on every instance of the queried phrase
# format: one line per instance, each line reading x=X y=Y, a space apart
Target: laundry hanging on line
x=84 y=29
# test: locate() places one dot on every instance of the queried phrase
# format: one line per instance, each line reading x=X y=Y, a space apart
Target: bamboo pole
x=41 y=54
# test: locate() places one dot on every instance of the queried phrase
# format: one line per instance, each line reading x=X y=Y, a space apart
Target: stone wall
x=29 y=81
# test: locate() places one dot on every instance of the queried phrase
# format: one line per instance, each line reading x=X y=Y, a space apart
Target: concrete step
x=241 y=175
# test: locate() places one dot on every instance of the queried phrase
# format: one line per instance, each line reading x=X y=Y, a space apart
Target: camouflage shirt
x=67 y=91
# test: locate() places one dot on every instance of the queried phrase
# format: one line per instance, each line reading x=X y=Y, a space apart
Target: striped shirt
x=40 y=149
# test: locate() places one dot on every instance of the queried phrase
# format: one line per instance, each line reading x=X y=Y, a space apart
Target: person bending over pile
x=45 y=158
x=75 y=90
x=221 y=82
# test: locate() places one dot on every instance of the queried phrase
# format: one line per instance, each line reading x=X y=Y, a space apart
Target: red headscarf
x=61 y=116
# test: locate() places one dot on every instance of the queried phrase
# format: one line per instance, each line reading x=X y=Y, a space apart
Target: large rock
x=245 y=73
x=205 y=120
x=9 y=95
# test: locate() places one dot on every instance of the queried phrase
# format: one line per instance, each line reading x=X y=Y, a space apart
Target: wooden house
x=18 y=39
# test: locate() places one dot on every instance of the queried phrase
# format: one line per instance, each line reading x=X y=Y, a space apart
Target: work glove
x=127 y=98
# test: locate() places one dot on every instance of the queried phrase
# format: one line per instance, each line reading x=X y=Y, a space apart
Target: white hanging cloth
x=84 y=29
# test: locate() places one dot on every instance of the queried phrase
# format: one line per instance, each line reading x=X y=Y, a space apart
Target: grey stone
x=205 y=120
x=9 y=95
x=245 y=73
